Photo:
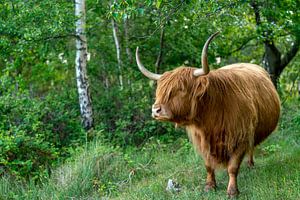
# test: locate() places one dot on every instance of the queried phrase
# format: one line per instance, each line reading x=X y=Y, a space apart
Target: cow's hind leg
x=233 y=169
x=250 y=161
x=210 y=178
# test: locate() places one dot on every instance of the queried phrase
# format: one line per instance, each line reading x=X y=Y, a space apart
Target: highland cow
x=226 y=112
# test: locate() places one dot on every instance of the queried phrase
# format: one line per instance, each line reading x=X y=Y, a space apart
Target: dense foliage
x=39 y=114
x=36 y=132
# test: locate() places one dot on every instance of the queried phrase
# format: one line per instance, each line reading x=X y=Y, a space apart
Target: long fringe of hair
x=232 y=106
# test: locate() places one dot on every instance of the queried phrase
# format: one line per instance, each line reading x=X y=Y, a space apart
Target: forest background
x=42 y=132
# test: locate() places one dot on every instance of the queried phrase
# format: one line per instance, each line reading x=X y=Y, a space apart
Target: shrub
x=36 y=133
x=125 y=115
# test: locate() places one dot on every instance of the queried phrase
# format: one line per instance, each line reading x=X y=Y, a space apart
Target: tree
x=31 y=40
x=80 y=65
x=118 y=50
x=258 y=31
x=273 y=60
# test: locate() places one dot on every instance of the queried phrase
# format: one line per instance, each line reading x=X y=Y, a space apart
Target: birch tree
x=80 y=65
x=118 y=50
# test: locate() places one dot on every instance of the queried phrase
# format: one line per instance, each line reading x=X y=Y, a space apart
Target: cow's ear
x=200 y=87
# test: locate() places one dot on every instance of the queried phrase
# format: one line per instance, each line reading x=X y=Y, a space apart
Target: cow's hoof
x=232 y=192
x=210 y=186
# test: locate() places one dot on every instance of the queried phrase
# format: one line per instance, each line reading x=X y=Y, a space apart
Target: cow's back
x=265 y=98
x=239 y=108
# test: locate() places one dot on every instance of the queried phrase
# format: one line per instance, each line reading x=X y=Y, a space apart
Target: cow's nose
x=156 y=109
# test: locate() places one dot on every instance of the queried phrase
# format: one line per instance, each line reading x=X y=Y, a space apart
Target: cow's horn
x=146 y=72
x=205 y=68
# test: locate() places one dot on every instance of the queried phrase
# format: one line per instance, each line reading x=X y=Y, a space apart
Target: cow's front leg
x=233 y=169
x=210 y=178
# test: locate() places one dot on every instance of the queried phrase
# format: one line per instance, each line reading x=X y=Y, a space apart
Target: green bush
x=39 y=132
x=36 y=133
x=127 y=118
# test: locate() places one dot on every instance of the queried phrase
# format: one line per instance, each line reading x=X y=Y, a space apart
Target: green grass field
x=102 y=172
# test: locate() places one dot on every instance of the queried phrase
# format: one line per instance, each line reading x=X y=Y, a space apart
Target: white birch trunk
x=80 y=65
x=118 y=50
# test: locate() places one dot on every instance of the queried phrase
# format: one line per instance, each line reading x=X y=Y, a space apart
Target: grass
x=103 y=172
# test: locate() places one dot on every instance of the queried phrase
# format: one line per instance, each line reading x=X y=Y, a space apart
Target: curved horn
x=146 y=72
x=205 y=68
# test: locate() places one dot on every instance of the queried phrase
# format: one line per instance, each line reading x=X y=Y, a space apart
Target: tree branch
x=160 y=54
x=46 y=38
x=256 y=12
x=55 y=37
x=241 y=47
x=289 y=55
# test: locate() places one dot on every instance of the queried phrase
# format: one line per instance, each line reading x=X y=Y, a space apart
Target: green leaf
x=158 y=3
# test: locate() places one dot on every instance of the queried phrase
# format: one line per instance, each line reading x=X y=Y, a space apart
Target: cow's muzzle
x=159 y=112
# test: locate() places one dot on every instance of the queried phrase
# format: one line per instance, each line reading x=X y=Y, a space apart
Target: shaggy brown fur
x=226 y=112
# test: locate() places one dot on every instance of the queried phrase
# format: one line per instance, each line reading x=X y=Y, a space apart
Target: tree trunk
x=271 y=61
x=80 y=65
x=118 y=50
